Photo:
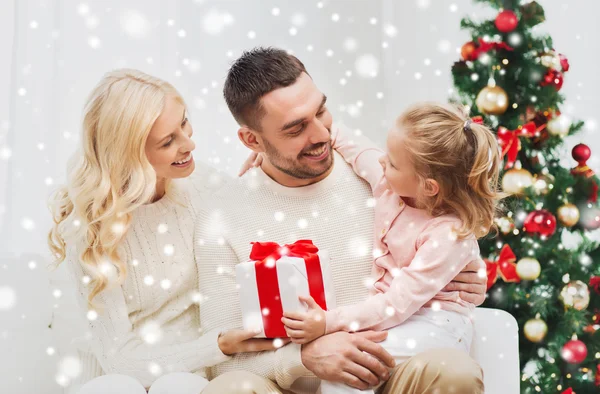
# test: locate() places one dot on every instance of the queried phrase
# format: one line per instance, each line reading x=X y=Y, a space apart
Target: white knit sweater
x=336 y=213
x=150 y=325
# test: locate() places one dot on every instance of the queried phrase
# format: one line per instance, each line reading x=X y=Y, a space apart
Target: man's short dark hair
x=256 y=73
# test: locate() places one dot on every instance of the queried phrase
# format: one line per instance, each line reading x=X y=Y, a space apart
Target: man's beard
x=292 y=167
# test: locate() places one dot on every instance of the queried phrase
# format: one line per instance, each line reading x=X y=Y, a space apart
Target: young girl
x=435 y=193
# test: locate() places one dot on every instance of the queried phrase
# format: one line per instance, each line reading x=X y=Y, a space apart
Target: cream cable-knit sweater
x=336 y=213
x=150 y=325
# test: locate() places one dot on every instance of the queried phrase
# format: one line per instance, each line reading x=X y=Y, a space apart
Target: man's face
x=296 y=130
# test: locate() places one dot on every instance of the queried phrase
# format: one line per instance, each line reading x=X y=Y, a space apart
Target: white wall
x=72 y=43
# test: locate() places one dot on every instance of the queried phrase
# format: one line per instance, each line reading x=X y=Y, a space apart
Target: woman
x=124 y=223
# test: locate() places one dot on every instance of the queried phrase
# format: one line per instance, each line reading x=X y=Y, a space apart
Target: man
x=304 y=190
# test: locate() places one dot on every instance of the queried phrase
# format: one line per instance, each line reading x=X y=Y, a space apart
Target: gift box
x=273 y=279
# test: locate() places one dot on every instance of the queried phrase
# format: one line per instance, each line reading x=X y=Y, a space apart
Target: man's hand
x=304 y=327
x=471 y=283
x=353 y=359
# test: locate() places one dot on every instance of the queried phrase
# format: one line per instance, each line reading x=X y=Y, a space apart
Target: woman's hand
x=305 y=327
x=254 y=160
x=242 y=341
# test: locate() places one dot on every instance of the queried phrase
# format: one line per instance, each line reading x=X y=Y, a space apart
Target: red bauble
x=581 y=153
x=540 y=222
x=469 y=51
x=564 y=62
x=574 y=352
x=506 y=21
x=554 y=78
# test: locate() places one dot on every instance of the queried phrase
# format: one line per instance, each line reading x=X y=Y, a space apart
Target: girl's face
x=169 y=146
x=399 y=172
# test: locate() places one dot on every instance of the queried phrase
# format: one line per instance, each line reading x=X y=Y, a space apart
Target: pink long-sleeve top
x=416 y=255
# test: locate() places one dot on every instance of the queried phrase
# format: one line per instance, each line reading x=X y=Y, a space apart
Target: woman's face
x=169 y=146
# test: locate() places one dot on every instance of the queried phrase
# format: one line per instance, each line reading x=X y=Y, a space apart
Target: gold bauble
x=559 y=126
x=505 y=224
x=528 y=268
x=516 y=180
x=535 y=330
x=575 y=295
x=568 y=215
x=551 y=60
x=543 y=183
x=492 y=100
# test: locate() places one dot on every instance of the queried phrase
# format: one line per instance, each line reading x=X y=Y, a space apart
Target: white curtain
x=371 y=58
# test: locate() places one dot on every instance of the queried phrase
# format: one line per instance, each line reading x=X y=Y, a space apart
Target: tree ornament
x=506 y=21
x=550 y=59
x=535 y=330
x=575 y=295
x=510 y=143
x=505 y=224
x=553 y=78
x=555 y=61
x=559 y=126
x=505 y=267
x=574 y=351
x=543 y=184
x=595 y=284
x=515 y=180
x=582 y=153
x=492 y=100
x=564 y=62
x=540 y=222
x=568 y=215
x=528 y=268
x=469 y=51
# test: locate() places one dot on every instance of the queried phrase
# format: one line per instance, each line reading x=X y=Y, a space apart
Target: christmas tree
x=543 y=262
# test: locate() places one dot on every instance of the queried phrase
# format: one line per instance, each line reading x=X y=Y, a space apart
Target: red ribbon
x=595 y=283
x=568 y=391
x=266 y=254
x=505 y=266
x=511 y=144
x=597 y=382
x=488 y=46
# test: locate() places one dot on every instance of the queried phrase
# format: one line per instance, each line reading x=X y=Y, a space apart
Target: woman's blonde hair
x=462 y=156
x=110 y=176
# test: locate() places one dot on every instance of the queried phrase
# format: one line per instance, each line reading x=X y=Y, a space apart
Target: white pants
x=426 y=329
x=173 y=383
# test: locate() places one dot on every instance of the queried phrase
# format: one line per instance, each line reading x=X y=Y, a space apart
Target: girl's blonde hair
x=462 y=156
x=110 y=176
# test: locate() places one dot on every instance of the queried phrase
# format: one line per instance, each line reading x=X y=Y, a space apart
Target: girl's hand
x=334 y=134
x=304 y=327
x=254 y=160
x=243 y=341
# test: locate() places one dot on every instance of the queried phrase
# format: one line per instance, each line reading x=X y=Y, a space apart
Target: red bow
x=505 y=266
x=266 y=254
x=568 y=391
x=595 y=283
x=488 y=46
x=511 y=144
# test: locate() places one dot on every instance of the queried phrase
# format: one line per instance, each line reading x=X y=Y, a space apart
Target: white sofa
x=27 y=367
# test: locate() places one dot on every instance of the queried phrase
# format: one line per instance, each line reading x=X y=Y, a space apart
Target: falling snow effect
x=134 y=24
